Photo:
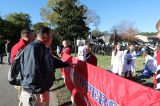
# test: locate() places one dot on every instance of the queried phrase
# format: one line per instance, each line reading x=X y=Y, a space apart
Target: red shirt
x=66 y=50
x=17 y=47
x=91 y=59
x=158 y=57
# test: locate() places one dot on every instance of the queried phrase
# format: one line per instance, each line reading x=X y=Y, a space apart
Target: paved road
x=8 y=94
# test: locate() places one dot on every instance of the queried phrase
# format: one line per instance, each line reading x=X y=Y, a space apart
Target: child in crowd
x=117 y=60
x=90 y=57
x=150 y=66
x=129 y=61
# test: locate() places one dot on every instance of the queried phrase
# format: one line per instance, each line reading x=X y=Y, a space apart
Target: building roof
x=143 y=38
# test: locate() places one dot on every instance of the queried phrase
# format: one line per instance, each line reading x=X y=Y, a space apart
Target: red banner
x=92 y=86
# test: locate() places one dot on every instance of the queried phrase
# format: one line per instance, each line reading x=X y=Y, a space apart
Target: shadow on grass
x=54 y=89
x=141 y=79
x=59 y=79
x=138 y=79
x=149 y=84
x=67 y=104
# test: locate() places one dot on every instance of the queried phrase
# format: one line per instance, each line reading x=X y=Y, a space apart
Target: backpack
x=14 y=73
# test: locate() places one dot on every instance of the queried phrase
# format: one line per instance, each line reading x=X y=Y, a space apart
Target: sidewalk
x=8 y=94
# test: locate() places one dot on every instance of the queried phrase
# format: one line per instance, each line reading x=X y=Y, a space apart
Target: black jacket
x=38 y=66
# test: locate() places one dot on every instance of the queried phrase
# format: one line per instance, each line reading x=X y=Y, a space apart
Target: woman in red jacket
x=66 y=49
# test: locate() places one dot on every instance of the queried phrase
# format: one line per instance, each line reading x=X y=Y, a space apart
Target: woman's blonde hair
x=67 y=42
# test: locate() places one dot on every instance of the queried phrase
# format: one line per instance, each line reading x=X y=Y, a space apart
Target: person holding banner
x=38 y=66
x=129 y=61
x=66 y=49
x=117 y=60
x=157 y=73
x=90 y=57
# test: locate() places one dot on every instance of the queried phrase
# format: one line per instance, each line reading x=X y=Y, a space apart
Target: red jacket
x=158 y=58
x=66 y=50
x=17 y=47
x=91 y=59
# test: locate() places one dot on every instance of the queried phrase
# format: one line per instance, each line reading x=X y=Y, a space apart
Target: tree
x=19 y=21
x=125 y=28
x=12 y=24
x=148 y=33
x=22 y=20
x=92 y=18
x=6 y=29
x=96 y=33
x=105 y=33
x=67 y=17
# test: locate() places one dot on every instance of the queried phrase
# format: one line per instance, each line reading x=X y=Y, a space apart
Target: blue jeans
x=8 y=58
x=147 y=72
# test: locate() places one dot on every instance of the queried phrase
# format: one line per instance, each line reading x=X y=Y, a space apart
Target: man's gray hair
x=42 y=30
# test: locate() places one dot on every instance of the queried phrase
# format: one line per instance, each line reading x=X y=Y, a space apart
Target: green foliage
x=105 y=33
x=11 y=26
x=148 y=33
x=67 y=18
x=96 y=33
x=7 y=30
x=21 y=20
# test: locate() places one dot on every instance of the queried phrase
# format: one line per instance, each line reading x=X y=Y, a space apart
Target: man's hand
x=44 y=97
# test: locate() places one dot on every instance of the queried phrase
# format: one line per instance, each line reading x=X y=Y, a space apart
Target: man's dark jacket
x=37 y=67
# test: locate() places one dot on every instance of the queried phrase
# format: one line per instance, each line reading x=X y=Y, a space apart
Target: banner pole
x=75 y=51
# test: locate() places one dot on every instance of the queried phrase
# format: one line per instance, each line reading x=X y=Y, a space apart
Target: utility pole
x=75 y=47
x=115 y=37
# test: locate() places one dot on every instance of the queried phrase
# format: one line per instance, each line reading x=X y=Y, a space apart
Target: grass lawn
x=104 y=62
x=63 y=94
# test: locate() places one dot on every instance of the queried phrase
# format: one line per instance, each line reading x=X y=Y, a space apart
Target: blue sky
x=144 y=13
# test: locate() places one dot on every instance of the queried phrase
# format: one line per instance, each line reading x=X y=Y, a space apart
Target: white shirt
x=151 y=63
x=117 y=62
x=118 y=58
